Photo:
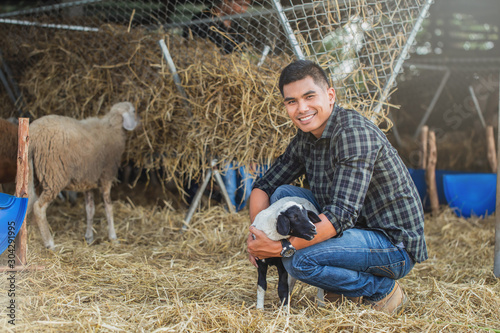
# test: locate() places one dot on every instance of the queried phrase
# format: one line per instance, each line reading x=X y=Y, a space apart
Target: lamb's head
x=124 y=113
x=295 y=220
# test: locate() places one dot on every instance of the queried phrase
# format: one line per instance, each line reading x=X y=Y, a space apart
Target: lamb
x=77 y=155
x=289 y=216
x=8 y=152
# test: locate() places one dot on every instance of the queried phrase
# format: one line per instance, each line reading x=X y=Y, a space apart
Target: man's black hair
x=301 y=69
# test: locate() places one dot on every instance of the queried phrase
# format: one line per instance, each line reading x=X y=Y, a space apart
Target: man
x=372 y=226
x=222 y=32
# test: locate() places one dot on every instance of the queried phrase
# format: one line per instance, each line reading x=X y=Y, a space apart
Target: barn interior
x=165 y=275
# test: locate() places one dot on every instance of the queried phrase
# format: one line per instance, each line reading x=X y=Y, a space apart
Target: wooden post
x=424 y=133
x=430 y=174
x=496 y=266
x=491 y=151
x=22 y=180
x=22 y=185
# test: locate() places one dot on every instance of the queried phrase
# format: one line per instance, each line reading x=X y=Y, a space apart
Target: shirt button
x=319 y=158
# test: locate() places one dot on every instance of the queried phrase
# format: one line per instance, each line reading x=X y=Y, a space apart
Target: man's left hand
x=260 y=246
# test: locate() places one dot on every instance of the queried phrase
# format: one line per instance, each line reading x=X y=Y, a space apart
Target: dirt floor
x=159 y=279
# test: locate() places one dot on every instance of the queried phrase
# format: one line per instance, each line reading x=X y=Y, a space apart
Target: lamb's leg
x=90 y=209
x=320 y=297
x=261 y=283
x=283 y=291
x=40 y=215
x=106 y=195
x=291 y=283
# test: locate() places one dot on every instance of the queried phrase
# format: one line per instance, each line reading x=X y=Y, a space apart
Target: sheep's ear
x=129 y=122
x=283 y=225
x=313 y=216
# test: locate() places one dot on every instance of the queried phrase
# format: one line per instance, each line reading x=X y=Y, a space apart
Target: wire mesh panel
x=76 y=58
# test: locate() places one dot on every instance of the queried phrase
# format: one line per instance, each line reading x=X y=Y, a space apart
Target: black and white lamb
x=289 y=216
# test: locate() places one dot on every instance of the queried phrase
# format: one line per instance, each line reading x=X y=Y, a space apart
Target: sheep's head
x=297 y=221
x=129 y=119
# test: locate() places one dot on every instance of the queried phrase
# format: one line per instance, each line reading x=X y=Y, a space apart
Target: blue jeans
x=358 y=263
x=239 y=182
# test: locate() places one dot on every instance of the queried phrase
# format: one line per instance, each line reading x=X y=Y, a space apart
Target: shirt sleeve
x=284 y=170
x=355 y=152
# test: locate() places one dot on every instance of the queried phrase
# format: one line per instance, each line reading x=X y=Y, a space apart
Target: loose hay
x=161 y=280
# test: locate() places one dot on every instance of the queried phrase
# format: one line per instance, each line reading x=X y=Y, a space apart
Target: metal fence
x=361 y=43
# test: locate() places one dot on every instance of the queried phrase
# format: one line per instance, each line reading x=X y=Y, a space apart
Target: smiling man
x=372 y=226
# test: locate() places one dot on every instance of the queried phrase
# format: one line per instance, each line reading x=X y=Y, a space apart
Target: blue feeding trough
x=12 y=213
x=471 y=194
x=418 y=177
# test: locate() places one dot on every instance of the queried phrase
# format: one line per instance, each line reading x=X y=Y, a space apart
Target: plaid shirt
x=357 y=177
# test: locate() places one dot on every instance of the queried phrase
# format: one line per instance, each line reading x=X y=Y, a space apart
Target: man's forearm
x=324 y=229
x=259 y=200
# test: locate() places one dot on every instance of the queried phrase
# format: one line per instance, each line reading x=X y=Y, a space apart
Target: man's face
x=309 y=105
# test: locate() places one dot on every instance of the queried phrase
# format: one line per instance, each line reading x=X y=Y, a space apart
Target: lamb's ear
x=129 y=122
x=313 y=217
x=283 y=225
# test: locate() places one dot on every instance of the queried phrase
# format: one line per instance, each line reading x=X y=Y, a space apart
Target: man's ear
x=283 y=225
x=331 y=95
x=313 y=217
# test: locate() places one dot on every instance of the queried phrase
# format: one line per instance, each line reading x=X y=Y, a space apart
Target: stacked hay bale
x=236 y=108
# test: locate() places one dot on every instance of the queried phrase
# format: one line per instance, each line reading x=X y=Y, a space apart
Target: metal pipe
x=48 y=8
x=218 y=179
x=433 y=103
x=196 y=200
x=173 y=70
x=288 y=30
x=7 y=87
x=265 y=52
x=403 y=55
x=49 y=25
x=476 y=104
x=496 y=266
x=19 y=102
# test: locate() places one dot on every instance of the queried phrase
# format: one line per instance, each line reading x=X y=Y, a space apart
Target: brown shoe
x=393 y=303
x=339 y=298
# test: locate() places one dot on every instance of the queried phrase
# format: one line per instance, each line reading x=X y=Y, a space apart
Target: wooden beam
x=496 y=266
x=430 y=174
x=22 y=185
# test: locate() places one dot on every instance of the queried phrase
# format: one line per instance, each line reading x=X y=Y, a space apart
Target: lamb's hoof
x=114 y=241
x=89 y=240
x=50 y=245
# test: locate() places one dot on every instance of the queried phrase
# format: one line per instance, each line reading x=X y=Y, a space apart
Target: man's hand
x=260 y=246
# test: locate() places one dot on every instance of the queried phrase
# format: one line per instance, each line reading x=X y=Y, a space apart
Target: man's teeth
x=306 y=117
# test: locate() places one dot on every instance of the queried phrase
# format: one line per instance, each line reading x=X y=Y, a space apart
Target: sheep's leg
x=261 y=283
x=283 y=291
x=106 y=195
x=40 y=215
x=90 y=209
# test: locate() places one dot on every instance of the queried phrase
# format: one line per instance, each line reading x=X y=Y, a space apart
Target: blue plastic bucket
x=418 y=176
x=471 y=194
x=12 y=213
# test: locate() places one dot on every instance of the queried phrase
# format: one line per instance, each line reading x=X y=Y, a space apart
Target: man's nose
x=303 y=106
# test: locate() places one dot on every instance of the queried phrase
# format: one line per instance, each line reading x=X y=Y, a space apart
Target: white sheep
x=289 y=216
x=77 y=155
